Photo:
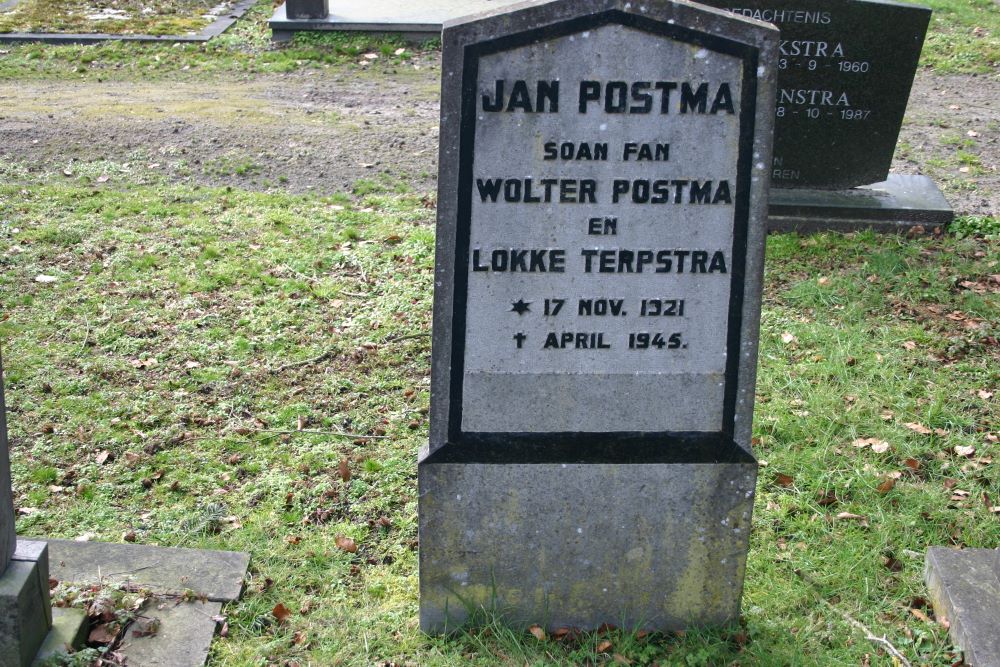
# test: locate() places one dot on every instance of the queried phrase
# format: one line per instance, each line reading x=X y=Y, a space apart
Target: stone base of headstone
x=639 y=543
x=414 y=21
x=964 y=588
x=901 y=203
x=25 y=605
x=68 y=633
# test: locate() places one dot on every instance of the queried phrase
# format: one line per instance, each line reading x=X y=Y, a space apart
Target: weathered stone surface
x=597 y=299
x=183 y=638
x=215 y=574
x=69 y=630
x=575 y=545
x=8 y=539
x=900 y=203
x=965 y=588
x=845 y=69
x=25 y=612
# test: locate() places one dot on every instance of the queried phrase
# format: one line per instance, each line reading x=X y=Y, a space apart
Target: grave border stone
x=472 y=486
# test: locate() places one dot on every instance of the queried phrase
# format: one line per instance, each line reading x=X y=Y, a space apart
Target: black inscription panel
x=845 y=69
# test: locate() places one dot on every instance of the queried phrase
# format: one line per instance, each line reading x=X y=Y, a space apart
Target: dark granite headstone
x=845 y=68
x=601 y=221
x=307 y=9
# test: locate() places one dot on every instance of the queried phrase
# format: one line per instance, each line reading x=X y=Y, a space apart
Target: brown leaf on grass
x=559 y=633
x=848 y=516
x=985 y=395
x=782 y=479
x=827 y=497
x=281 y=612
x=918 y=428
x=787 y=338
x=878 y=446
x=892 y=563
x=919 y=614
x=909 y=345
x=604 y=646
x=299 y=637
x=292 y=539
x=346 y=544
x=886 y=485
x=950 y=483
x=620 y=659
x=344 y=469
x=102 y=457
x=912 y=464
x=966 y=451
x=537 y=631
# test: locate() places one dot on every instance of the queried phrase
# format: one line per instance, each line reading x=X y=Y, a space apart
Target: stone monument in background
x=602 y=213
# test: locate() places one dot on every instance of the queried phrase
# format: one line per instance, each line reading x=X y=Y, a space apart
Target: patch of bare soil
x=952 y=134
x=324 y=130
x=315 y=130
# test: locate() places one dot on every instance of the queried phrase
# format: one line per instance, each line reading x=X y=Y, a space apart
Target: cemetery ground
x=215 y=307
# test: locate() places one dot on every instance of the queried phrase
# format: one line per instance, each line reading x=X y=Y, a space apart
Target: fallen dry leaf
x=281 y=612
x=537 y=631
x=344 y=469
x=346 y=544
x=783 y=480
x=787 y=338
x=880 y=447
x=604 y=646
x=886 y=485
x=909 y=345
x=848 y=516
x=620 y=659
x=918 y=428
x=966 y=451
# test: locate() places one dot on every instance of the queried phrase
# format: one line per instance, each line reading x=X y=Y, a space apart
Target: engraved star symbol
x=520 y=306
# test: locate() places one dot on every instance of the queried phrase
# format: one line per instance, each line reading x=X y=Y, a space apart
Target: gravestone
x=845 y=69
x=601 y=222
x=25 y=608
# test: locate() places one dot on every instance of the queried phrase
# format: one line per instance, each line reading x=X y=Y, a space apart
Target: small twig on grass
x=869 y=635
x=396 y=339
x=304 y=362
x=341 y=434
x=354 y=294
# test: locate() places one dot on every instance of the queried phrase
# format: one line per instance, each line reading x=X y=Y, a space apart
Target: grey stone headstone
x=601 y=223
x=964 y=586
x=8 y=538
x=845 y=68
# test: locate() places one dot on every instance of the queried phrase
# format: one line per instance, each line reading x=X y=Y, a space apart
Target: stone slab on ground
x=69 y=629
x=897 y=204
x=25 y=608
x=418 y=19
x=964 y=586
x=183 y=638
x=218 y=575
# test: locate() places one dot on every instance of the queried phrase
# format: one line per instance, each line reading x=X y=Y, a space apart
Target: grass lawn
x=200 y=368
x=247 y=369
